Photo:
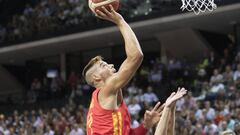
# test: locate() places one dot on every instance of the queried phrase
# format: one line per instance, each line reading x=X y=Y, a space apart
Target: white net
x=198 y=6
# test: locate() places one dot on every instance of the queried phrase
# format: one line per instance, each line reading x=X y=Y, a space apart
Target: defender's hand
x=172 y=99
x=110 y=15
x=152 y=117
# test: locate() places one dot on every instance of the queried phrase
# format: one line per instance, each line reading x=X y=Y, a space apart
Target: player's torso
x=107 y=122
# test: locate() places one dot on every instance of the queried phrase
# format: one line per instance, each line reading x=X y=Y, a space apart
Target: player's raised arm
x=132 y=49
x=163 y=124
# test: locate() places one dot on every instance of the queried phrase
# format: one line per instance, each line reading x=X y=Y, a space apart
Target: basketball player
x=166 y=125
x=108 y=113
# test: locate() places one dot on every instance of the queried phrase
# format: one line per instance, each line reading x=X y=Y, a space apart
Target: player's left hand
x=152 y=117
x=172 y=99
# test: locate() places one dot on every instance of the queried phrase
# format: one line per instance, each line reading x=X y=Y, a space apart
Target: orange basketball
x=97 y=4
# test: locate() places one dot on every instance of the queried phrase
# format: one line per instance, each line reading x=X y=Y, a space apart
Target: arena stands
x=50 y=18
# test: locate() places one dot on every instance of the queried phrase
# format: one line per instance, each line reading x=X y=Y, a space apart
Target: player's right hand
x=110 y=15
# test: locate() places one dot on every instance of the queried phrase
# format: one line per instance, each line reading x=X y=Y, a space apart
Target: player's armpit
x=124 y=75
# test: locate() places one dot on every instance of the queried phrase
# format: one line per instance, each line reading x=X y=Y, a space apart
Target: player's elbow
x=139 y=56
x=136 y=58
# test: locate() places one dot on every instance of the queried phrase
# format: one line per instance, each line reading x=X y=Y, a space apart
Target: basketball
x=97 y=4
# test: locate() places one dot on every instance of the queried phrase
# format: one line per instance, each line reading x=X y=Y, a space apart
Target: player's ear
x=96 y=77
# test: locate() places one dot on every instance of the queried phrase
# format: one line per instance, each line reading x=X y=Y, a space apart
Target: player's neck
x=99 y=85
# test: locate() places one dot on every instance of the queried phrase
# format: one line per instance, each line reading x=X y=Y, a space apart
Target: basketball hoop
x=198 y=6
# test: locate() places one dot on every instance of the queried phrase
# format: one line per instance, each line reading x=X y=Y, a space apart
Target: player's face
x=105 y=69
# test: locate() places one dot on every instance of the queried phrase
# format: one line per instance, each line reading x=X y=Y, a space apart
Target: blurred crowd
x=51 y=16
x=45 y=17
x=64 y=121
x=48 y=18
x=66 y=118
x=55 y=89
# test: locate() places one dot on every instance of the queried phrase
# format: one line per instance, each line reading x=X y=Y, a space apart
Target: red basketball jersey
x=107 y=122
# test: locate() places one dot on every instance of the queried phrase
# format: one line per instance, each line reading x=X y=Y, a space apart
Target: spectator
x=228 y=75
x=54 y=87
x=236 y=74
x=76 y=130
x=28 y=10
x=155 y=75
x=134 y=108
x=72 y=80
x=132 y=89
x=140 y=96
x=210 y=128
x=150 y=96
x=36 y=87
x=2 y=33
x=216 y=77
x=49 y=131
x=210 y=112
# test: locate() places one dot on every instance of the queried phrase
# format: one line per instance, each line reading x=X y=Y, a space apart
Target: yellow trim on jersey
x=120 y=122
x=90 y=117
x=91 y=105
x=90 y=120
x=115 y=123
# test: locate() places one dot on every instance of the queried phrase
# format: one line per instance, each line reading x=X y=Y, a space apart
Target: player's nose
x=111 y=65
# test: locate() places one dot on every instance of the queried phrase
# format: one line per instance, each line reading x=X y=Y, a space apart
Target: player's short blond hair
x=90 y=64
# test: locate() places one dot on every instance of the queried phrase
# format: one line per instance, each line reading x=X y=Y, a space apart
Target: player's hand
x=110 y=15
x=171 y=100
x=152 y=117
